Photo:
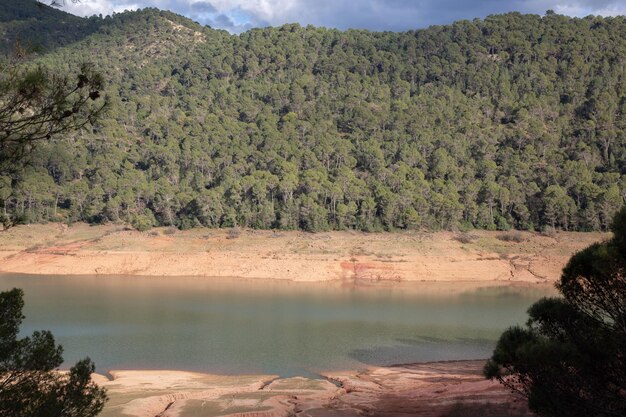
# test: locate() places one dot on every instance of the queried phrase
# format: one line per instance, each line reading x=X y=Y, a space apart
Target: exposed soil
x=445 y=389
x=349 y=256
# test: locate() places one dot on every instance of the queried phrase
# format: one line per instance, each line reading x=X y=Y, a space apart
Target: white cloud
x=104 y=7
x=575 y=8
x=122 y=7
x=238 y=15
x=615 y=10
x=585 y=8
x=270 y=10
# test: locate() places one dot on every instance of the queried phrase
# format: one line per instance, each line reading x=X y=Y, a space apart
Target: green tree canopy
x=30 y=384
x=36 y=105
x=570 y=359
x=512 y=121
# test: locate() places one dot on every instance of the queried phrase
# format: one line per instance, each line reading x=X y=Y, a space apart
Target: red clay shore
x=442 y=389
x=478 y=256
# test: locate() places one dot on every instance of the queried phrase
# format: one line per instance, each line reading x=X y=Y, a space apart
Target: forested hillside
x=512 y=121
x=37 y=28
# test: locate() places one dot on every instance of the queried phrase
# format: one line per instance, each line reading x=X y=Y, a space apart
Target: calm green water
x=269 y=327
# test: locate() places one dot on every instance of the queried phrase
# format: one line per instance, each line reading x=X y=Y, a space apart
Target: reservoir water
x=269 y=327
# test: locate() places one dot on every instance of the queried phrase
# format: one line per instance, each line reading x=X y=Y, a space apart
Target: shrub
x=549 y=231
x=512 y=236
x=233 y=233
x=465 y=237
x=144 y=221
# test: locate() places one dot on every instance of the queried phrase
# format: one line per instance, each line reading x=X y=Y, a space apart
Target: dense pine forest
x=514 y=121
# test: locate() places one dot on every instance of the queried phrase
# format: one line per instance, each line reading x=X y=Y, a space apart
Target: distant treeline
x=514 y=121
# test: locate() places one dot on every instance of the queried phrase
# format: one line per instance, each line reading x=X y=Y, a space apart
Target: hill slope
x=512 y=121
x=37 y=27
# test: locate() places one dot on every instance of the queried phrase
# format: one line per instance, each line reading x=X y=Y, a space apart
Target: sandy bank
x=354 y=256
x=436 y=389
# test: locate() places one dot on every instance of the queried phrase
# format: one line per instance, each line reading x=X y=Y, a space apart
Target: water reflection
x=243 y=326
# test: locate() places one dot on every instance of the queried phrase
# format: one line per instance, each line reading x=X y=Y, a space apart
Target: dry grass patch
x=514 y=236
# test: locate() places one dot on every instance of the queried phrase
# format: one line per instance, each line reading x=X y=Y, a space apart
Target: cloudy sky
x=239 y=15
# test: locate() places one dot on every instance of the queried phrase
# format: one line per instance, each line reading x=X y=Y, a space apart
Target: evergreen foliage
x=570 y=358
x=36 y=105
x=36 y=27
x=514 y=121
x=30 y=385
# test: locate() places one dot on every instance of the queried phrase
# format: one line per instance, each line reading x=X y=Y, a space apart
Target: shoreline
x=351 y=257
x=429 y=389
x=405 y=262
x=269 y=286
